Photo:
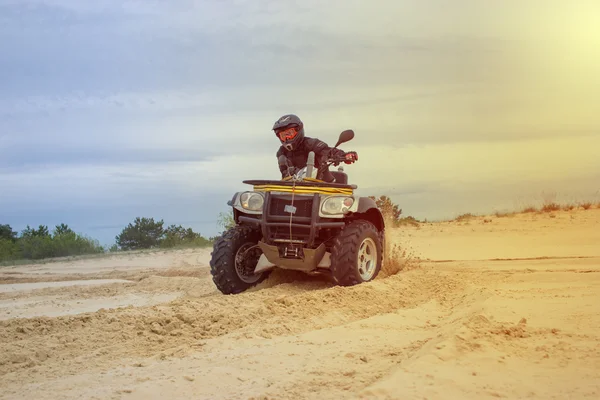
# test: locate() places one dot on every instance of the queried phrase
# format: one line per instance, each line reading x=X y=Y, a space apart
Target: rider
x=295 y=148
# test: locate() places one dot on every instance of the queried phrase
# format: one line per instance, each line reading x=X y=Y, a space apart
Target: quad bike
x=300 y=223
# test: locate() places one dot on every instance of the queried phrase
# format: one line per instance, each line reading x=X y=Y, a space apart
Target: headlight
x=337 y=205
x=252 y=201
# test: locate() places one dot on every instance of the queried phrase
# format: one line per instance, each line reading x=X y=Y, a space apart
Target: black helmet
x=290 y=131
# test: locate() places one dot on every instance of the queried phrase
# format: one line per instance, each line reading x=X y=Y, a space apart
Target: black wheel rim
x=246 y=259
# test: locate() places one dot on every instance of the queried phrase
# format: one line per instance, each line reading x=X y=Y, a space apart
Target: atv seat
x=340 y=177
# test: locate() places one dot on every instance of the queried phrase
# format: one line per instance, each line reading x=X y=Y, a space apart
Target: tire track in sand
x=66 y=344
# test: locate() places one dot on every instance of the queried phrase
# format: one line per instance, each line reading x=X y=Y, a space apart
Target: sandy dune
x=495 y=308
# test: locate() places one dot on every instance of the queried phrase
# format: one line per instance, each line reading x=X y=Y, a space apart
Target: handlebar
x=335 y=161
x=322 y=168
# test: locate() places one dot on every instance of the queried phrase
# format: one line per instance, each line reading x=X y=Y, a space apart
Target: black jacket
x=298 y=157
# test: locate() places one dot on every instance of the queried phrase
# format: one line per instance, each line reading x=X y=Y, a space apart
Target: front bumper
x=307 y=259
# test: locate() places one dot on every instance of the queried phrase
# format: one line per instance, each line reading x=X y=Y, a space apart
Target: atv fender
x=368 y=210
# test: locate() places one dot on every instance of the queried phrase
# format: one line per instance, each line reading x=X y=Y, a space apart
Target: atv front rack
x=303 y=190
x=306 y=186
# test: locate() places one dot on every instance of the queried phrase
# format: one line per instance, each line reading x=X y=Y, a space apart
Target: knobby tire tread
x=344 y=252
x=222 y=263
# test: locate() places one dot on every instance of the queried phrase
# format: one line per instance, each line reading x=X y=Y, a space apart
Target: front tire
x=357 y=254
x=234 y=257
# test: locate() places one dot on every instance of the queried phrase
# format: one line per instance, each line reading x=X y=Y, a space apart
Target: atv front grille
x=282 y=234
x=303 y=205
x=281 y=211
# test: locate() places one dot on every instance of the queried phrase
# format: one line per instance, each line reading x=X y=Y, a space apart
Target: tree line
x=36 y=244
x=143 y=233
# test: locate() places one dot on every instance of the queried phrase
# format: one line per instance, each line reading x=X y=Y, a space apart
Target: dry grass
x=465 y=217
x=411 y=221
x=549 y=207
x=504 y=214
x=396 y=259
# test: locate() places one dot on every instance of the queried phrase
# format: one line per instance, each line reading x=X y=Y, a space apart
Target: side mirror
x=345 y=136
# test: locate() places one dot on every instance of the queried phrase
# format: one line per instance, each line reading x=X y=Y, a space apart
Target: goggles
x=287 y=134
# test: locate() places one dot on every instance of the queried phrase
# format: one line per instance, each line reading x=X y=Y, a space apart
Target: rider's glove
x=351 y=157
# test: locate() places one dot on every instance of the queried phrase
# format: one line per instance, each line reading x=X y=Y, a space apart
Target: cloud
x=195 y=45
x=42 y=156
x=79 y=8
x=250 y=98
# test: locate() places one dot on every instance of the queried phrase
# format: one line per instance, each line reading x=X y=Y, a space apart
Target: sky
x=110 y=110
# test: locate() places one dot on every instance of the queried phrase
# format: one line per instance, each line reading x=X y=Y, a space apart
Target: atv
x=300 y=223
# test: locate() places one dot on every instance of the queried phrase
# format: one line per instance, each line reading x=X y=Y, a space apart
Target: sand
x=485 y=308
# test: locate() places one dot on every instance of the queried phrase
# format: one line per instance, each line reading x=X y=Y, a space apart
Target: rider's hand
x=351 y=157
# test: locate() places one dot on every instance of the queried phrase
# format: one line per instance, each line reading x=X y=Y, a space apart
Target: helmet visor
x=287 y=134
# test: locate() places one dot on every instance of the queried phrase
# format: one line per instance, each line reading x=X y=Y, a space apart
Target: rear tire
x=231 y=277
x=357 y=254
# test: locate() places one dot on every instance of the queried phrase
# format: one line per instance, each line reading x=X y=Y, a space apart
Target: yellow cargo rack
x=304 y=189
